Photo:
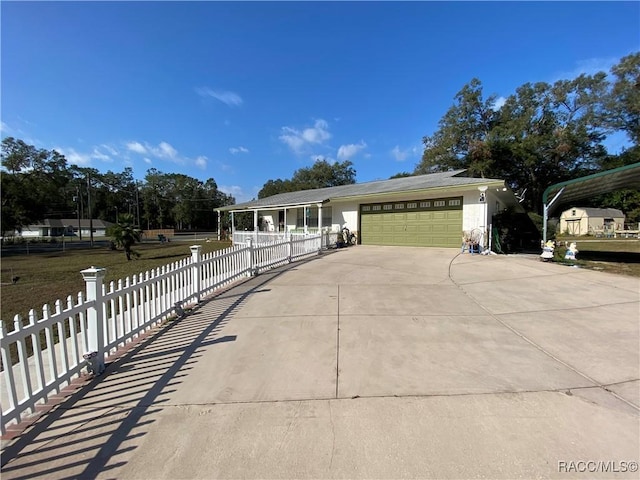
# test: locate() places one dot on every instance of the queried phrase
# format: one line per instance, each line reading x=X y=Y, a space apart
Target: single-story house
x=423 y=210
x=69 y=227
x=591 y=221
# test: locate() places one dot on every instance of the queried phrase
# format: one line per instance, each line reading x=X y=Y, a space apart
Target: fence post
x=252 y=262
x=290 y=256
x=195 y=270
x=93 y=278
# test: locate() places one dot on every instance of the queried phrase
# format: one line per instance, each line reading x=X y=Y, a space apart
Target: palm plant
x=125 y=235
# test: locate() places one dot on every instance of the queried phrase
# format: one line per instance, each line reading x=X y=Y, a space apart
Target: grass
x=620 y=256
x=49 y=276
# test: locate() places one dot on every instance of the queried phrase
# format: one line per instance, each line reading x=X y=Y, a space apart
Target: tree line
x=38 y=184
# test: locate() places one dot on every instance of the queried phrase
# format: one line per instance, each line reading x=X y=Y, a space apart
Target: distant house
x=69 y=227
x=591 y=221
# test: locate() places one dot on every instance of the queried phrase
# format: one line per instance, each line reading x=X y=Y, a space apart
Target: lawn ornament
x=571 y=252
x=547 y=251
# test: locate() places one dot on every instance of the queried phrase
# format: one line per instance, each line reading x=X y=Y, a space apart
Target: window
x=439 y=203
x=388 y=207
x=425 y=204
x=573 y=212
x=366 y=208
x=377 y=208
x=399 y=206
x=412 y=205
x=454 y=202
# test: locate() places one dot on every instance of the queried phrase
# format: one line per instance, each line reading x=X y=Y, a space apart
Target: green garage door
x=419 y=223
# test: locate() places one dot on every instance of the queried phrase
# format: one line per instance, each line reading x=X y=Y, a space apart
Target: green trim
x=407 y=206
x=558 y=186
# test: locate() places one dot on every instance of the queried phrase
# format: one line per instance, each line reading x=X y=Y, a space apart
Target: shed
x=591 y=221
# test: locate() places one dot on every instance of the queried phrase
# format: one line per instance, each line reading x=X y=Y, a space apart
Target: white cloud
x=297 y=140
x=231 y=99
x=500 y=101
x=345 y=152
x=319 y=158
x=588 y=66
x=400 y=155
x=111 y=150
x=72 y=156
x=97 y=154
x=4 y=128
x=147 y=160
x=83 y=158
x=236 y=150
x=166 y=150
x=201 y=162
x=137 y=147
x=237 y=192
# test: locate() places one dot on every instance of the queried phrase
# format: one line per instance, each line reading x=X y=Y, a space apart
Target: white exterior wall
x=344 y=215
x=473 y=211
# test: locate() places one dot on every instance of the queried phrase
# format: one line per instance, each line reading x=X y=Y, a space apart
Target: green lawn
x=46 y=277
x=620 y=256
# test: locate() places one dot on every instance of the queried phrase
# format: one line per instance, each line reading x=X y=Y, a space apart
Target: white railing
x=329 y=238
x=42 y=356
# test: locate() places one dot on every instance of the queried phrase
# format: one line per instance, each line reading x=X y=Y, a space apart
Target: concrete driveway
x=369 y=362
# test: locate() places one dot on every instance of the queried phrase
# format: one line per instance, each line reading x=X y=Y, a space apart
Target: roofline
x=489 y=182
x=558 y=186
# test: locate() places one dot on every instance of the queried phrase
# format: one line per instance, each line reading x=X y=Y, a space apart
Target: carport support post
x=93 y=278
x=195 y=271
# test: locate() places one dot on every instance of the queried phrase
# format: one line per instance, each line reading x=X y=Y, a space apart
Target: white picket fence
x=42 y=356
x=242 y=237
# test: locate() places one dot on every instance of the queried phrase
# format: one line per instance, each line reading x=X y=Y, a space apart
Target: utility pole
x=137 y=206
x=89 y=206
x=78 y=203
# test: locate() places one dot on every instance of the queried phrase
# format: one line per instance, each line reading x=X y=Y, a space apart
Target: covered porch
x=276 y=222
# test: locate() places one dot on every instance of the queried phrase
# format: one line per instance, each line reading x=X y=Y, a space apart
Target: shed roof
x=395 y=185
x=600 y=212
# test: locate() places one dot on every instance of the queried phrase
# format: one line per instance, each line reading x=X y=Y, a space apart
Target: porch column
x=219 y=225
x=233 y=224
x=255 y=226
x=304 y=215
x=285 y=220
x=320 y=218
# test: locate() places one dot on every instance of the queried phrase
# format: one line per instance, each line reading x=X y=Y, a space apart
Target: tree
x=125 y=235
x=623 y=112
x=320 y=175
x=461 y=140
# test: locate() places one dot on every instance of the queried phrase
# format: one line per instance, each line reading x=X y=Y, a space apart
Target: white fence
x=42 y=356
x=242 y=237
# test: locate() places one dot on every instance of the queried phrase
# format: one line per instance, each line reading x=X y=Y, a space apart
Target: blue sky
x=246 y=92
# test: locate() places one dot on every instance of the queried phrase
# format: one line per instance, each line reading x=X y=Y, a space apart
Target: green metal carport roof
x=571 y=191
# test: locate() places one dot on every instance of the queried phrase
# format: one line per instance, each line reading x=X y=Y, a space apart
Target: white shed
x=591 y=221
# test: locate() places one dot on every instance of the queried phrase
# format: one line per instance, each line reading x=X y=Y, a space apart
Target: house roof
x=396 y=185
x=600 y=212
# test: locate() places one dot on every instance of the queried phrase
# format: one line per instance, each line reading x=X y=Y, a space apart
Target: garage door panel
x=435 y=224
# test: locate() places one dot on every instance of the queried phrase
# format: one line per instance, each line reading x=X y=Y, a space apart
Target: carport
x=565 y=193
